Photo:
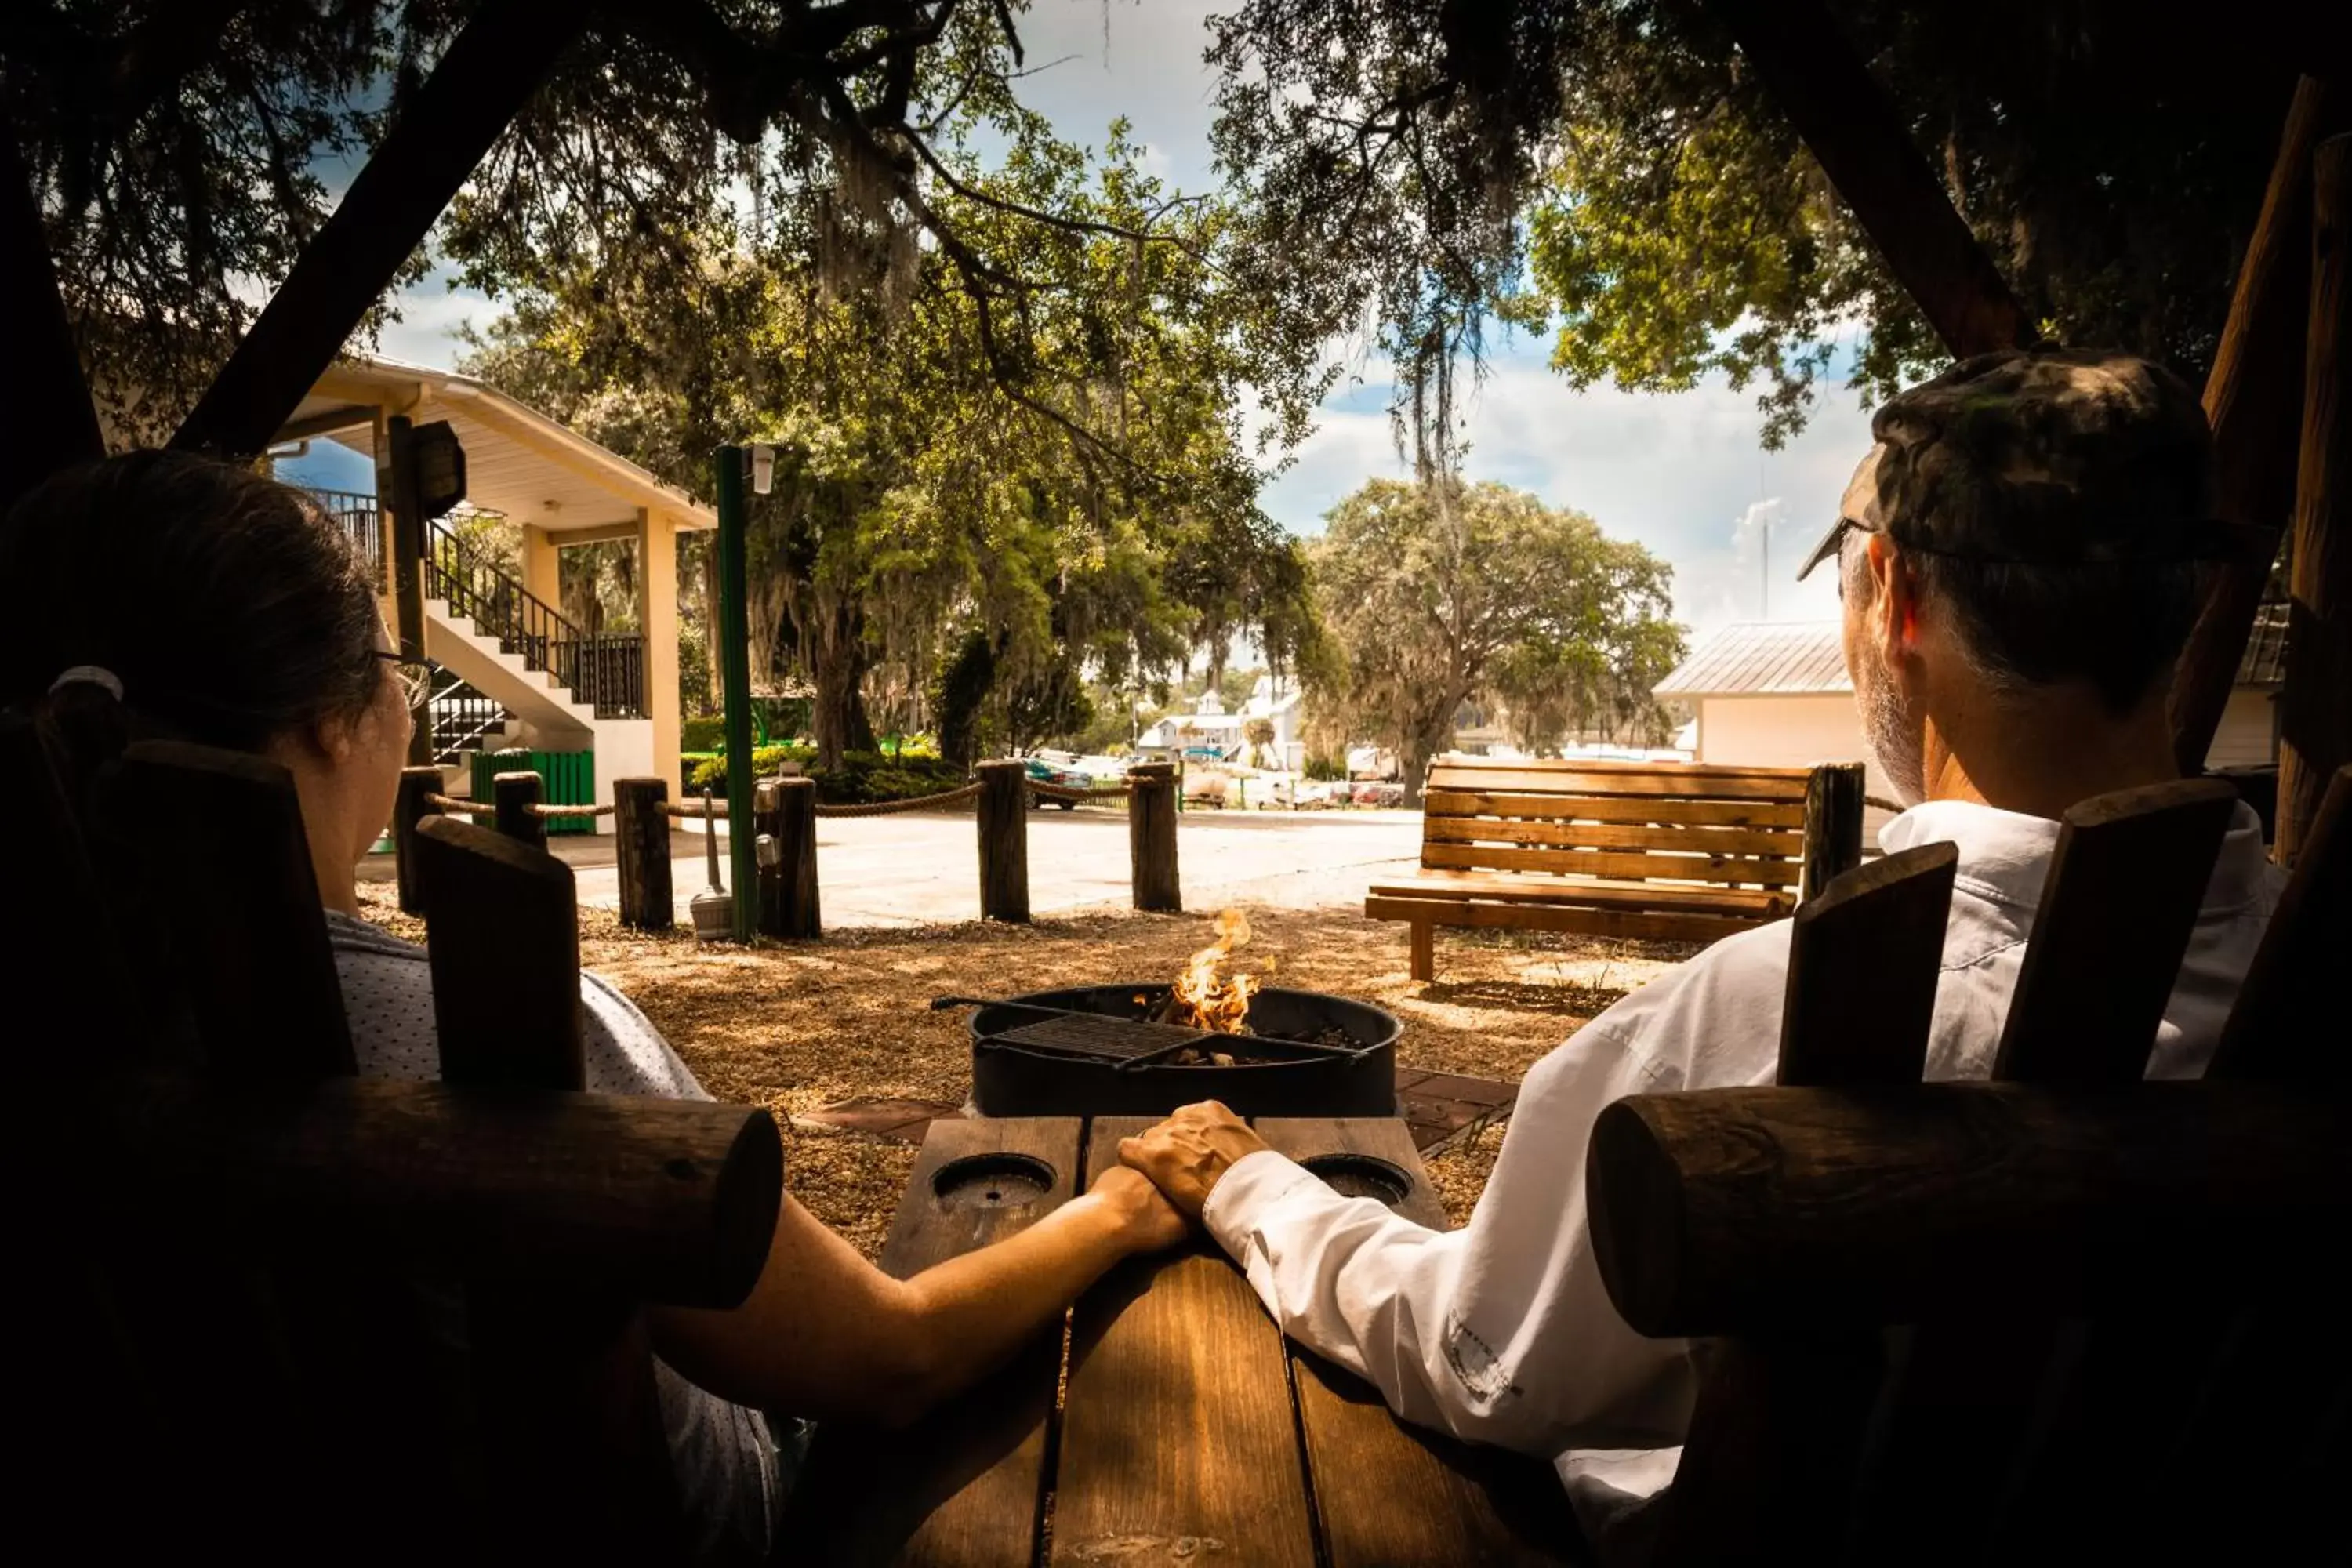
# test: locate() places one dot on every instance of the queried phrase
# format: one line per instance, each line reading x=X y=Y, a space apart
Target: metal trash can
x=566 y=778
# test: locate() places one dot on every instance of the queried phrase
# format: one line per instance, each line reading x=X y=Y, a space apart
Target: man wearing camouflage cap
x=2019 y=569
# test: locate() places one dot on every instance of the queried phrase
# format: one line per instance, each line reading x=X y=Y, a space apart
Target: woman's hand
x=1188 y=1154
x=1146 y=1222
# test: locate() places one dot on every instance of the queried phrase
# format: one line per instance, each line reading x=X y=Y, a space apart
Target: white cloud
x=1682 y=473
x=430 y=315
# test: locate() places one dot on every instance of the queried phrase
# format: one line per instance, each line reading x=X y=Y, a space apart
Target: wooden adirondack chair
x=268 y=1310
x=2065 y=1315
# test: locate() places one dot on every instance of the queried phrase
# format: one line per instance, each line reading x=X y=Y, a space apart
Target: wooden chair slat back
x=248 y=944
x=2296 y=978
x=2116 y=911
x=503 y=938
x=1863 y=961
x=571 y=1419
x=57 y=928
x=1773 y=1445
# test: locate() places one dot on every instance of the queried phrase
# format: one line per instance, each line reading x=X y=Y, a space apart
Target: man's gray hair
x=2118 y=625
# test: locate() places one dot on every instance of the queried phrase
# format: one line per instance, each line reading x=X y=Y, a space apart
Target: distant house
x=1776 y=694
x=1212 y=727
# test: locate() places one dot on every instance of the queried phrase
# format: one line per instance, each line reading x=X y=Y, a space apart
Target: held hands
x=1145 y=1220
x=1189 y=1154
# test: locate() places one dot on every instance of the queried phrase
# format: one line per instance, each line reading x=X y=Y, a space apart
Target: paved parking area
x=921 y=867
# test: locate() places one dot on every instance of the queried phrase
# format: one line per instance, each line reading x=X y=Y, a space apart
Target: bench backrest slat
x=1671 y=821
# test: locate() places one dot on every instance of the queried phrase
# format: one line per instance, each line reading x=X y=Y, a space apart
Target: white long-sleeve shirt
x=1502 y=1331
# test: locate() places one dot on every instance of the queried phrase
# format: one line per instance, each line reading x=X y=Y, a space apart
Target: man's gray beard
x=1893 y=735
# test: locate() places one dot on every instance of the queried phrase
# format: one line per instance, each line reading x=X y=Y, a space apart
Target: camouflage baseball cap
x=2047 y=455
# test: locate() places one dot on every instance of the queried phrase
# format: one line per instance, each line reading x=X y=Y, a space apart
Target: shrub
x=863 y=777
x=703 y=732
x=1327 y=769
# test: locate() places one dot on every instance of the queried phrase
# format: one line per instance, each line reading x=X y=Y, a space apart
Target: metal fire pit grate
x=1110 y=1039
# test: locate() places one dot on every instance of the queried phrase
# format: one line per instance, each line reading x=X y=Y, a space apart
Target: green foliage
x=1326 y=769
x=1088 y=504
x=1428 y=161
x=1233 y=690
x=860 y=777
x=703 y=732
x=1441 y=593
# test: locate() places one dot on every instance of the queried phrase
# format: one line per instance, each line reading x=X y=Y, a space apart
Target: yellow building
x=548 y=684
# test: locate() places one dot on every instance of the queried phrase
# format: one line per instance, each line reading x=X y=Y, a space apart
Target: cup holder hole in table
x=1361 y=1176
x=992 y=1181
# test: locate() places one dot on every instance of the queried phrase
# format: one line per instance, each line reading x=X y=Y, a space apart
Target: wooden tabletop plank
x=1178 y=1439
x=1390 y=1495
x=964 y=1487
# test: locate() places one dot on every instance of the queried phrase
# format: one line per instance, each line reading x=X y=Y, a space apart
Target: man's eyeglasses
x=416 y=676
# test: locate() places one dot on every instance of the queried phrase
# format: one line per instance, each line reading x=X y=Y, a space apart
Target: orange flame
x=1201 y=996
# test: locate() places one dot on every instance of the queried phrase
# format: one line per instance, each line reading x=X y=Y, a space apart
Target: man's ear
x=1895 y=601
x=337 y=736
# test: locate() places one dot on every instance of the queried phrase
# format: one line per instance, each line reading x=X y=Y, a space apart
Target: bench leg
x=1425 y=950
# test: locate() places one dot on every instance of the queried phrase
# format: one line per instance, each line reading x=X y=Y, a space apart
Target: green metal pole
x=735 y=680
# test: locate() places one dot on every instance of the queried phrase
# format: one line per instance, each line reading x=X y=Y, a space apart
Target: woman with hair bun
x=161 y=594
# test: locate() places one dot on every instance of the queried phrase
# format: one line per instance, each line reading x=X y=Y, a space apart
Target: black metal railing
x=604 y=671
x=462 y=716
x=362 y=521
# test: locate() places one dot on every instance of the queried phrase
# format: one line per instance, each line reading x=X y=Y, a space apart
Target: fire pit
x=1305 y=1053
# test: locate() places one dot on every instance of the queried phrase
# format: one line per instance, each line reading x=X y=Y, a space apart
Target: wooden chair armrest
x=1749 y=1210
x=651 y=1200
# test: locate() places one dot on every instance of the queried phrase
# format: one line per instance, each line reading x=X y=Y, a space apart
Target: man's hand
x=1189 y=1154
x=1146 y=1221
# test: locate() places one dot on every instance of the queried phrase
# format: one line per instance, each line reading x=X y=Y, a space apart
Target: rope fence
x=1877 y=803
x=783 y=823
x=1062 y=792
x=916 y=802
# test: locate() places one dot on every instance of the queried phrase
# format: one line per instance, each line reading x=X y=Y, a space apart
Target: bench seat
x=1657 y=851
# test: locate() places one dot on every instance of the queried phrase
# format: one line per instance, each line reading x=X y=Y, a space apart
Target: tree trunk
x=838 y=712
x=1421 y=743
x=715 y=700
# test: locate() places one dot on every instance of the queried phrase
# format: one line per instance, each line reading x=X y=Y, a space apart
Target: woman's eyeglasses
x=416 y=676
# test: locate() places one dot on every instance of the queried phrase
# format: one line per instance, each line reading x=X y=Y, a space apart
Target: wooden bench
x=1666 y=851
x=2063 y=1316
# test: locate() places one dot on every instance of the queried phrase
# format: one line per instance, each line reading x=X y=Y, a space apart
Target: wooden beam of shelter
x=2315 y=709
x=1852 y=128
x=52 y=422
x=479 y=86
x=2251 y=399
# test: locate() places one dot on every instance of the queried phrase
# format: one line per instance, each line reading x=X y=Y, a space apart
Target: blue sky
x=1681 y=473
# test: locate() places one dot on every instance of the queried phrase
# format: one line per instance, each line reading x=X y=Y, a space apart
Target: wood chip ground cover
x=795 y=1026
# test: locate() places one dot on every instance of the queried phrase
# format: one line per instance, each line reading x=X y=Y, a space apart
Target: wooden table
x=1173 y=1423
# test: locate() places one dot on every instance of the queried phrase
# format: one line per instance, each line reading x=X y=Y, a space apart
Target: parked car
x=1055 y=773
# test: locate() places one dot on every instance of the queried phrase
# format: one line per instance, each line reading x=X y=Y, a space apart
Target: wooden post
x=641 y=837
x=1003 y=818
x=2314 y=713
x=1151 y=837
x=733 y=656
x=1832 y=825
x=2251 y=402
x=408 y=569
x=514 y=794
x=409 y=808
x=766 y=830
x=796 y=858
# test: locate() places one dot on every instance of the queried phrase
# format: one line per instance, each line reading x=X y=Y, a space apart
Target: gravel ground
x=796 y=1026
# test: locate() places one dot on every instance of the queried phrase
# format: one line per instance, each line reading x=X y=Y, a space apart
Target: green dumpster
x=566 y=778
